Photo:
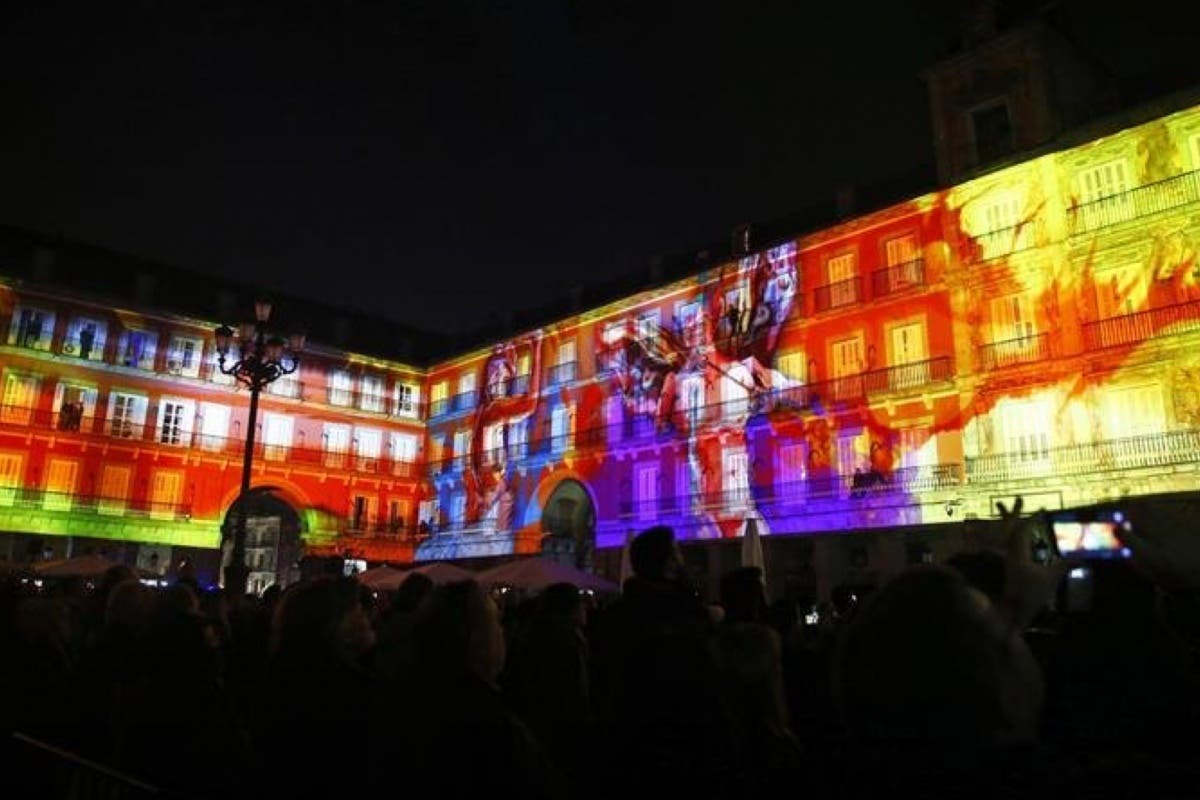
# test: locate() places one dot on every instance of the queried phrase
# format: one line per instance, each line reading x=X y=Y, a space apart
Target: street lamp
x=262 y=357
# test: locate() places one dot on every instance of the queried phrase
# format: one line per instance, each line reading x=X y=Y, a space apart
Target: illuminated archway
x=569 y=522
x=273 y=529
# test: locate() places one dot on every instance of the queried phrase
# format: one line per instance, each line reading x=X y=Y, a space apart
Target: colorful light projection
x=1051 y=320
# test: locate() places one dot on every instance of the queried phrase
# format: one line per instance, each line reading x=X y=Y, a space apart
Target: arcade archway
x=569 y=523
x=273 y=546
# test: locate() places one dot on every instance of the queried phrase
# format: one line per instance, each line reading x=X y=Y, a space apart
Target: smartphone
x=1090 y=532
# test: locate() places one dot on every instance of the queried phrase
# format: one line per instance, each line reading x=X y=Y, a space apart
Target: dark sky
x=435 y=161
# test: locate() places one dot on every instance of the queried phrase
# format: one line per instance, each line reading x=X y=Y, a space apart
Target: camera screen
x=1096 y=537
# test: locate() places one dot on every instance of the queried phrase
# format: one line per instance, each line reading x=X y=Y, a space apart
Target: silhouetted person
x=743 y=595
x=395 y=657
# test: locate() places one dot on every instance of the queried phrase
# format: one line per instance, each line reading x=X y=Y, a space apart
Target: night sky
x=436 y=161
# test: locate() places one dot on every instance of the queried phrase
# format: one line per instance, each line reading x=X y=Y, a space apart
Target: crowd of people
x=959 y=677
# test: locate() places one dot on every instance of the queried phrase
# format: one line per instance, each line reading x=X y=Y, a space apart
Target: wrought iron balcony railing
x=838 y=294
x=562 y=373
x=898 y=277
x=49 y=500
x=1142 y=325
x=1007 y=353
x=464 y=401
x=1143 y=201
x=1135 y=452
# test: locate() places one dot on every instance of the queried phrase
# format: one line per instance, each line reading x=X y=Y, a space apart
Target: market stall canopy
x=538 y=573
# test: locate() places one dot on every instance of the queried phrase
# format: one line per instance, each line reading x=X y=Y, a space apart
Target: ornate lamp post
x=262 y=358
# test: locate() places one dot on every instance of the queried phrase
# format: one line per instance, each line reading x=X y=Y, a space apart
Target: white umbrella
x=384 y=578
x=440 y=572
x=538 y=573
x=752 y=552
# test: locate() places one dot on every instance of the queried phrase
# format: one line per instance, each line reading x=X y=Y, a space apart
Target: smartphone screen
x=1096 y=537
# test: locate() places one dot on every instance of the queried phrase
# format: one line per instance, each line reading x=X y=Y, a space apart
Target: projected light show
x=1030 y=331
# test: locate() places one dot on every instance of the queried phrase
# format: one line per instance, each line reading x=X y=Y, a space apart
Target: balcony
x=89 y=348
x=1005 y=241
x=838 y=294
x=1143 y=325
x=1010 y=352
x=464 y=401
x=562 y=373
x=519 y=385
x=906 y=377
x=1143 y=201
x=1135 y=452
x=898 y=277
x=25 y=498
x=439 y=406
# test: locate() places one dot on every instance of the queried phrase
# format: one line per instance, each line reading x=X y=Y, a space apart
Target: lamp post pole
x=262 y=359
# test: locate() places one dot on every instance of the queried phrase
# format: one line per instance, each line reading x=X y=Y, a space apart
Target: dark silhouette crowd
x=983 y=676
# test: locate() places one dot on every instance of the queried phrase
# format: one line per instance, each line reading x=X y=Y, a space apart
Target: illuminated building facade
x=1031 y=330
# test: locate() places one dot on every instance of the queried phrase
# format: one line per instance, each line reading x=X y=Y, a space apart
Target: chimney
x=740 y=245
x=844 y=200
x=978 y=23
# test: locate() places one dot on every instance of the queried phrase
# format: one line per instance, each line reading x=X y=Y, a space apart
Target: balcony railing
x=1005 y=241
x=562 y=373
x=27 y=498
x=464 y=401
x=439 y=406
x=1143 y=325
x=1140 y=202
x=1007 y=353
x=838 y=294
x=87 y=427
x=903 y=377
x=1135 y=452
x=898 y=277
x=519 y=385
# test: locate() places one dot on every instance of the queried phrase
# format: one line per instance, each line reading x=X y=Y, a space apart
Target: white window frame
x=126 y=418
x=368 y=448
x=214 y=425
x=178 y=362
x=278 y=431
x=373 y=396
x=45 y=335
x=144 y=359
x=71 y=344
x=407 y=400
x=176 y=416
x=341 y=388
x=20 y=397
x=12 y=476
x=646 y=488
x=337 y=441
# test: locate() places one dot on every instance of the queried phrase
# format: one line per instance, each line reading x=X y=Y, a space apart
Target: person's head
x=459 y=632
x=654 y=554
x=561 y=603
x=130 y=607
x=321 y=621
x=984 y=571
x=750 y=659
x=743 y=595
x=927 y=661
x=413 y=593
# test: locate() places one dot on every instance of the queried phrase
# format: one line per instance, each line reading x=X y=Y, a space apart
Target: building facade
x=1032 y=331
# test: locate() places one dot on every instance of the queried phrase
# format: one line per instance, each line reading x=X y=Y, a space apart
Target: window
x=648 y=326
x=1026 y=428
x=183 y=356
x=613 y=357
x=462 y=447
x=793 y=366
x=373 y=397
x=992 y=131
x=404 y=452
x=847 y=366
x=166 y=493
x=791 y=470
x=341 y=388
x=214 y=425
x=735 y=391
x=684 y=486
x=218 y=377
x=114 y=489
x=493 y=444
x=918 y=447
x=285 y=386
x=20 y=397
x=562 y=421
x=277 y=436
x=466 y=391
x=564 y=364
x=126 y=415
x=175 y=421
x=368 y=447
x=32 y=328
x=843 y=287
x=853 y=450
x=1133 y=411
x=736 y=466
x=337 y=444
x=397 y=514
x=136 y=349
x=1002 y=228
x=693 y=400
x=614 y=416
x=517 y=439
x=1103 y=196
x=85 y=339
x=1119 y=291
x=61 y=475
x=690 y=322
x=458 y=509
x=437 y=398
x=408 y=399
x=647 y=492
x=902 y=257
x=908 y=344
x=1012 y=319
x=12 y=473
